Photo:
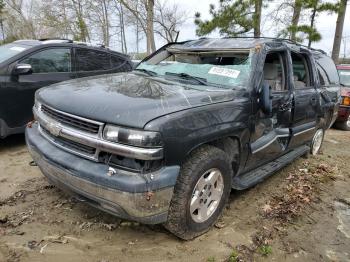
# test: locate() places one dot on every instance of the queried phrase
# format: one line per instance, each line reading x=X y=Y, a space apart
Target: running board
x=257 y=175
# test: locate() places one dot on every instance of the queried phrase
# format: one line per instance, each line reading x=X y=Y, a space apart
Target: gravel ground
x=302 y=213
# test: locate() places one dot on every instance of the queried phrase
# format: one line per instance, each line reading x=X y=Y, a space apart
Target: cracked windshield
x=225 y=70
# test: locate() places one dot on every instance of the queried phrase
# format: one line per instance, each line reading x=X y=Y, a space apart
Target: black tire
x=343 y=125
x=201 y=160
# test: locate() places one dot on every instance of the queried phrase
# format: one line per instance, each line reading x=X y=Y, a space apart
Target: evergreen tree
x=232 y=18
x=315 y=7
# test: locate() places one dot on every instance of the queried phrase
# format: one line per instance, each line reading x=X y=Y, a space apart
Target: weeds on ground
x=211 y=259
x=265 y=250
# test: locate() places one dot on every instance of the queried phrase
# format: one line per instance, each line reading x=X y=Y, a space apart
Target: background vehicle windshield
x=344 y=77
x=220 y=69
x=10 y=50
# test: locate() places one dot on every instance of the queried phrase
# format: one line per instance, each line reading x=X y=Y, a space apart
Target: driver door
x=271 y=134
x=49 y=66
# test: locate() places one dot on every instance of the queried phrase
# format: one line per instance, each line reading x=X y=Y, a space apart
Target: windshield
x=344 y=77
x=10 y=50
x=224 y=69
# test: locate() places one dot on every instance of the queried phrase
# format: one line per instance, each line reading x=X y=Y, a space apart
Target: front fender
x=184 y=131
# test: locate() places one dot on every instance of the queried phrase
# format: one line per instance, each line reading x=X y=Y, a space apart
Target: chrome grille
x=70 y=144
x=72 y=121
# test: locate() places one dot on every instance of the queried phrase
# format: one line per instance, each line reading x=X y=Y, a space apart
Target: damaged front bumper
x=140 y=197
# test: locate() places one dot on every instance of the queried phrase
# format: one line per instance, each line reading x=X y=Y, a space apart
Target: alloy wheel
x=206 y=195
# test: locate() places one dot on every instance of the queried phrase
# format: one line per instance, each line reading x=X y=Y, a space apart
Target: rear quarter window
x=326 y=70
x=92 y=60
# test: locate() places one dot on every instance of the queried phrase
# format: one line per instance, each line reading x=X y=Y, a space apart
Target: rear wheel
x=201 y=192
x=317 y=142
x=345 y=125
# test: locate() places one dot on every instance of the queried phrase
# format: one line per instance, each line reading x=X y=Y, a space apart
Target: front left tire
x=201 y=192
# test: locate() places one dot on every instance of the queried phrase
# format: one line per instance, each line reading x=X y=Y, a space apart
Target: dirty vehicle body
x=167 y=142
x=27 y=65
x=343 y=120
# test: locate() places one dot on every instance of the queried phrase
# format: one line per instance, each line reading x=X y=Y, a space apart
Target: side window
x=117 y=61
x=301 y=71
x=274 y=71
x=91 y=60
x=327 y=71
x=54 y=60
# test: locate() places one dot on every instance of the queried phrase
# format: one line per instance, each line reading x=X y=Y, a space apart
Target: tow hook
x=30 y=124
x=111 y=171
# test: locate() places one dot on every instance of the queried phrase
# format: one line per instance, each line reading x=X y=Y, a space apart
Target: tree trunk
x=257 y=18
x=295 y=18
x=151 y=46
x=339 y=31
x=106 y=35
x=313 y=15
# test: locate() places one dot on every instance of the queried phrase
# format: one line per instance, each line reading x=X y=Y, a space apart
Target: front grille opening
x=80 y=148
x=131 y=164
x=71 y=121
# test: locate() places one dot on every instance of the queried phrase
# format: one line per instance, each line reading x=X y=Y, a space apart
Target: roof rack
x=279 y=39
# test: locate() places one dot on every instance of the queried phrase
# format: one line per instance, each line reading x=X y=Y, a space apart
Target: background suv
x=343 y=120
x=27 y=65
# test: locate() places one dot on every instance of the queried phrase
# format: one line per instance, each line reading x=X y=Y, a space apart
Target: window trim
x=284 y=65
x=306 y=60
x=48 y=48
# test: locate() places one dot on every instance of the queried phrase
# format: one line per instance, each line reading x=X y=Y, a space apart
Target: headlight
x=346 y=101
x=132 y=136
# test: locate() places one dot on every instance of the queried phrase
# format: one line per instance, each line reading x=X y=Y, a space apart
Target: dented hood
x=128 y=99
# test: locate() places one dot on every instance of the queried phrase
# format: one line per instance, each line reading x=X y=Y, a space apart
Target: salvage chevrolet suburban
x=166 y=142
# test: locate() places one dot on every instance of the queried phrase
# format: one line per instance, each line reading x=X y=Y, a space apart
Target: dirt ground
x=300 y=214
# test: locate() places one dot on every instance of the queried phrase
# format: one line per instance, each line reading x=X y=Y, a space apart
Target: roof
x=48 y=41
x=220 y=43
x=232 y=43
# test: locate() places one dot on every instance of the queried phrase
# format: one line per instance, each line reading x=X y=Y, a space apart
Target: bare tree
x=143 y=12
x=168 y=20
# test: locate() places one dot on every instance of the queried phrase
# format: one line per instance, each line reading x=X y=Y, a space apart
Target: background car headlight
x=132 y=136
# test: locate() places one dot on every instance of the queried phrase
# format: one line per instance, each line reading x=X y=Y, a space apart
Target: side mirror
x=265 y=98
x=22 y=69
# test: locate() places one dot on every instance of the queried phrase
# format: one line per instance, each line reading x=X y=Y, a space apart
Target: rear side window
x=327 y=72
x=91 y=60
x=117 y=61
x=54 y=60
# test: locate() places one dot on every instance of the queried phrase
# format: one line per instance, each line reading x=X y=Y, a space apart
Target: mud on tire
x=180 y=221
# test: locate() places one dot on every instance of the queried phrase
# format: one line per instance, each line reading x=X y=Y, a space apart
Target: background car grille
x=71 y=121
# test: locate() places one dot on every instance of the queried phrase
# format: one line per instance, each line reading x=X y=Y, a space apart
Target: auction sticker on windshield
x=221 y=71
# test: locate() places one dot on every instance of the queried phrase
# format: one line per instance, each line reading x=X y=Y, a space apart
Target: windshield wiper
x=148 y=72
x=199 y=80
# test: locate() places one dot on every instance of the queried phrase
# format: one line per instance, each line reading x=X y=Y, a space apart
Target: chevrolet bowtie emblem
x=54 y=129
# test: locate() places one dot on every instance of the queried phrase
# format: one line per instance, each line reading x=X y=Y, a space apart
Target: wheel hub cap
x=206 y=195
x=317 y=141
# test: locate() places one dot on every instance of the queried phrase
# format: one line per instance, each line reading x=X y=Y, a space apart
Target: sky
x=325 y=24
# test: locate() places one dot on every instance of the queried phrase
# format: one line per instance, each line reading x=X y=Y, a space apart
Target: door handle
x=285 y=106
x=313 y=101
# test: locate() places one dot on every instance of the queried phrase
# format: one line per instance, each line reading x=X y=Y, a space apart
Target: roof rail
x=56 y=39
